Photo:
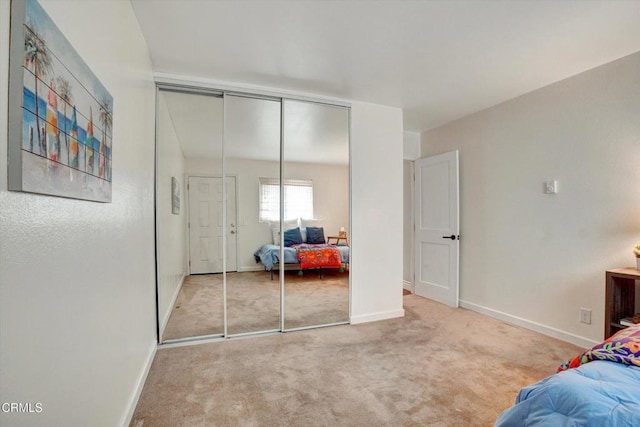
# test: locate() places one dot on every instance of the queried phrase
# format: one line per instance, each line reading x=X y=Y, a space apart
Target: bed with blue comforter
x=598 y=388
x=269 y=256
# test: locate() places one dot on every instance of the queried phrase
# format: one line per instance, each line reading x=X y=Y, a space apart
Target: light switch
x=551 y=187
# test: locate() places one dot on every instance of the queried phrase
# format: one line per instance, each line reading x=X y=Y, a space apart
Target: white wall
x=172 y=257
x=330 y=194
x=410 y=145
x=376 y=212
x=77 y=291
x=539 y=257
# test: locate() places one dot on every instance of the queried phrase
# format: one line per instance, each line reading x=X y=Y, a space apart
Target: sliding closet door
x=189 y=216
x=252 y=210
x=316 y=193
x=252 y=160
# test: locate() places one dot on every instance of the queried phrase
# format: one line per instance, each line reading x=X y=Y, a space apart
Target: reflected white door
x=206 y=225
x=437 y=228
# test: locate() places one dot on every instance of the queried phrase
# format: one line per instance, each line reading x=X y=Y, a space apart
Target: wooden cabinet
x=619 y=298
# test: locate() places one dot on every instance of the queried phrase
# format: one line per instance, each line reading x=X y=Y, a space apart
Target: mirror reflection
x=220 y=248
x=316 y=198
x=189 y=220
x=252 y=151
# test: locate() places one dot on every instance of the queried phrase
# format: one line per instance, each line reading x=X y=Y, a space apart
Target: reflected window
x=298 y=199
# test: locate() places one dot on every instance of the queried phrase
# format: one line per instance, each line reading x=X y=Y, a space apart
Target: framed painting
x=60 y=115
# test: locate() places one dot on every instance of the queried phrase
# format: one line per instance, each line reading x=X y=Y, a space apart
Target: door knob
x=233 y=225
x=233 y=232
x=452 y=237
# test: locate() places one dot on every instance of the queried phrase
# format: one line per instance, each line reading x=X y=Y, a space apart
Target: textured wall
x=77 y=311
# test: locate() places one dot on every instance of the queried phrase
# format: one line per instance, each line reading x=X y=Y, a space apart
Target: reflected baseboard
x=174 y=298
x=248 y=269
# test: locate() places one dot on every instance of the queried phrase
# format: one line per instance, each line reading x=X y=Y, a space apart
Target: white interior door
x=232 y=224
x=436 y=228
x=206 y=225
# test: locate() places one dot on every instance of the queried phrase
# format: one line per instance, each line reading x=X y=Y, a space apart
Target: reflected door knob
x=233 y=232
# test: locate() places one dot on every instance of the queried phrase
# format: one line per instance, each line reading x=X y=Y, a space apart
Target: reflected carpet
x=253 y=302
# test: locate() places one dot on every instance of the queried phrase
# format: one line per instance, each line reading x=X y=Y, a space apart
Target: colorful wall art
x=60 y=115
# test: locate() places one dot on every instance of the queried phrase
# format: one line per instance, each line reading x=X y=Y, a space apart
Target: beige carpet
x=437 y=366
x=253 y=302
x=198 y=309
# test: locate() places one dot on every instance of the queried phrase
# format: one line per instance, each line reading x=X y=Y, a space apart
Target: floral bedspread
x=313 y=256
x=622 y=347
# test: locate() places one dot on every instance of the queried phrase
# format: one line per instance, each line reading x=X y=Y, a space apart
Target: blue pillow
x=292 y=236
x=315 y=235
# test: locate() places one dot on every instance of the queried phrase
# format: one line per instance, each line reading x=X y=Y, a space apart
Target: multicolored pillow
x=622 y=347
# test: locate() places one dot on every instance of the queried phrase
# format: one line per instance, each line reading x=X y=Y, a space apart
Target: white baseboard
x=142 y=378
x=365 y=318
x=528 y=324
x=256 y=268
x=174 y=298
x=408 y=286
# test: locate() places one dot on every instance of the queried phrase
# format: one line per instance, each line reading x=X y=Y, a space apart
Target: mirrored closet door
x=252 y=214
x=189 y=220
x=252 y=154
x=316 y=193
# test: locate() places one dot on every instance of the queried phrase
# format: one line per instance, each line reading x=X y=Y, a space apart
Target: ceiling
x=437 y=60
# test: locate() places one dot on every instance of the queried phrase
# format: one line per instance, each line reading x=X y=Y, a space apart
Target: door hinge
x=188 y=225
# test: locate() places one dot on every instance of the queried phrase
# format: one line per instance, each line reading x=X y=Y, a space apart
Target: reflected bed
x=269 y=256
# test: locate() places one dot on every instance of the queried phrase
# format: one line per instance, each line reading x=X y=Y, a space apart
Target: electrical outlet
x=585 y=315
